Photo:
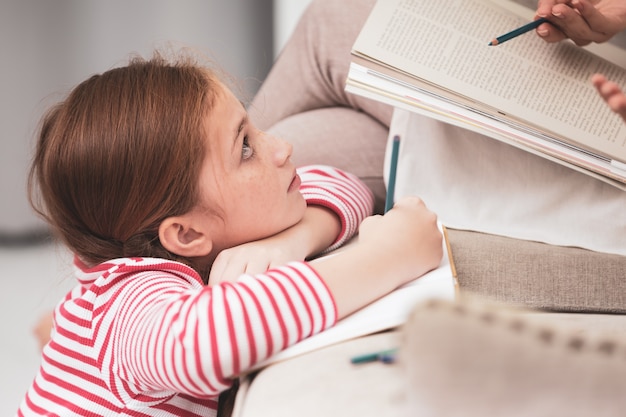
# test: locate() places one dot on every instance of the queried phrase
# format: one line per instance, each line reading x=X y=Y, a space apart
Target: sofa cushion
x=475 y=359
x=538 y=275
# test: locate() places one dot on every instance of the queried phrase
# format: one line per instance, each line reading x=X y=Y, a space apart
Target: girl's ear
x=181 y=236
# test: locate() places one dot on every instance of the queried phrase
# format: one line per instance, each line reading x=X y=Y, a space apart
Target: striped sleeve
x=195 y=342
x=340 y=192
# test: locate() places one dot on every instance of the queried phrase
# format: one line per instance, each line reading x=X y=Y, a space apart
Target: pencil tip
x=493 y=42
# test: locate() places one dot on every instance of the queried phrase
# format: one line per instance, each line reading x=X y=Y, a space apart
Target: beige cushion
x=473 y=360
x=537 y=274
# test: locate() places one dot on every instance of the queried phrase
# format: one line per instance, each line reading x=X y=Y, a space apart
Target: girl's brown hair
x=122 y=153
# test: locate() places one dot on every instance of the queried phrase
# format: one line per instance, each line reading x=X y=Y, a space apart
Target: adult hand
x=611 y=93
x=583 y=21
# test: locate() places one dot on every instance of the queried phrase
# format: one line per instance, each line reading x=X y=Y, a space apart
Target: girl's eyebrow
x=242 y=124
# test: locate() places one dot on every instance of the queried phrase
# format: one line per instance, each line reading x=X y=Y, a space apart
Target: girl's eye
x=246 y=149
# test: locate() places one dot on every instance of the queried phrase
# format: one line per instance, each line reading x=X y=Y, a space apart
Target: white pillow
x=477 y=183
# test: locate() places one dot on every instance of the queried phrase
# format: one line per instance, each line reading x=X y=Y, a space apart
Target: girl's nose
x=282 y=151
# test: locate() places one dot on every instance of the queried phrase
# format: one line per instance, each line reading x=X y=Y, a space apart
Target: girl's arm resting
x=172 y=337
x=167 y=334
x=337 y=203
x=342 y=193
x=317 y=230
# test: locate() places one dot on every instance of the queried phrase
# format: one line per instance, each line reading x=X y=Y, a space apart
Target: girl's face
x=247 y=178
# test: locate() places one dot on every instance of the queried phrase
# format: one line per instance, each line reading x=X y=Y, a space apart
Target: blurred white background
x=47 y=48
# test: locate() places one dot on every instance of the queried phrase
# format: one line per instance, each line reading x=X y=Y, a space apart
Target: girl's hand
x=253 y=258
x=391 y=250
x=43 y=329
x=407 y=236
x=317 y=230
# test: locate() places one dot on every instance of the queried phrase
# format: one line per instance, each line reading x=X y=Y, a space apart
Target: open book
x=385 y=313
x=433 y=58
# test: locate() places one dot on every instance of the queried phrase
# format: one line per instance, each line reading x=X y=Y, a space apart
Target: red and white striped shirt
x=146 y=337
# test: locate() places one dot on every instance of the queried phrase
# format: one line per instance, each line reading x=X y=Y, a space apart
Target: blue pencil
x=393 y=167
x=519 y=31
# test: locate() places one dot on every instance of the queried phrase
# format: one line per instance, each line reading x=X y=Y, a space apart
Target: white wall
x=49 y=46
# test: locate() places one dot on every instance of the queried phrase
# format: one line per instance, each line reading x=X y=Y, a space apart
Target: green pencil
x=393 y=167
x=519 y=31
x=385 y=356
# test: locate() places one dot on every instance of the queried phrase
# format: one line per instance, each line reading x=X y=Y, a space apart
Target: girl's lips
x=295 y=183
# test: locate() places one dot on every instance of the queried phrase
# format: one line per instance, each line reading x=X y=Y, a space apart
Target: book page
x=361 y=81
x=446 y=43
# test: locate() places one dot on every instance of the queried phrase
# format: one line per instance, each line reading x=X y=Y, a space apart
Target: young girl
x=154 y=177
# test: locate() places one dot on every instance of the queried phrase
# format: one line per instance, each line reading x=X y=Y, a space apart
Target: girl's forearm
x=357 y=278
x=317 y=230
